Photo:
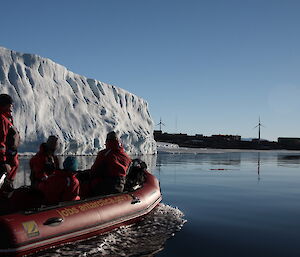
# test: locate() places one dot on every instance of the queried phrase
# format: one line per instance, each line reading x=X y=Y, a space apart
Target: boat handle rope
x=55 y=221
x=135 y=199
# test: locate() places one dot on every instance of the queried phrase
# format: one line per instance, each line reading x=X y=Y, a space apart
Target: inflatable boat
x=29 y=231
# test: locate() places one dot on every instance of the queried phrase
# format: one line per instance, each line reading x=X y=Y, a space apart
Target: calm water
x=235 y=204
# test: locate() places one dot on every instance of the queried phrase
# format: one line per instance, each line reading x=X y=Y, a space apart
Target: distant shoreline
x=163 y=148
x=226 y=142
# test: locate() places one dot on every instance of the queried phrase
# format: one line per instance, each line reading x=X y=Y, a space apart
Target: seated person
x=109 y=168
x=62 y=185
x=44 y=162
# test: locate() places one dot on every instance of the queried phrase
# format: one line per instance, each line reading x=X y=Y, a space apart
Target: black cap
x=5 y=100
x=52 y=143
x=111 y=136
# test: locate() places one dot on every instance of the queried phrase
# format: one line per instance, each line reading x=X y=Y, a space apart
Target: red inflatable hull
x=28 y=232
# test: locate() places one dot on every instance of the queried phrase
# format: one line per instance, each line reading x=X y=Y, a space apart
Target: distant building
x=257 y=140
x=157 y=133
x=293 y=142
x=226 y=137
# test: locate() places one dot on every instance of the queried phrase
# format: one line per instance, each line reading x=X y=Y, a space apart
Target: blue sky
x=206 y=67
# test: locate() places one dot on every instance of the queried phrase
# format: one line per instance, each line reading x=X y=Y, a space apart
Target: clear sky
x=206 y=67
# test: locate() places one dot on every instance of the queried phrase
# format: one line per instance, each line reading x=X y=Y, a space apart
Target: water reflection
x=288 y=159
x=234 y=159
x=258 y=166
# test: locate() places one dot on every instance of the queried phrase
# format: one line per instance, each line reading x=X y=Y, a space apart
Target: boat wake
x=143 y=238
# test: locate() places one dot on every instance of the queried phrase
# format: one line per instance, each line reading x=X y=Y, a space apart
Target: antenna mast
x=258 y=125
x=160 y=123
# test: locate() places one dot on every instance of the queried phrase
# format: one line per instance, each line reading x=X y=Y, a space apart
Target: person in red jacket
x=110 y=167
x=9 y=142
x=44 y=162
x=62 y=185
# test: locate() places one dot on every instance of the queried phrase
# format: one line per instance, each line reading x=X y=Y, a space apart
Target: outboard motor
x=135 y=177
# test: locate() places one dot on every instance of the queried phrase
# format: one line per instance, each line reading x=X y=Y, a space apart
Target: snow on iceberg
x=50 y=100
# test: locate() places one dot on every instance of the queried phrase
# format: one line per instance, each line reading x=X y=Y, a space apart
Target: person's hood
x=114 y=145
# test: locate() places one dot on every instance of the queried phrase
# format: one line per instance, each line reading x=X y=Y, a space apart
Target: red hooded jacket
x=9 y=141
x=112 y=161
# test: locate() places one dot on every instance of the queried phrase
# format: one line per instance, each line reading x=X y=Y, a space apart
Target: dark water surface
x=235 y=204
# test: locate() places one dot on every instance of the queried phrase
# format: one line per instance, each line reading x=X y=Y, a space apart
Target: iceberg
x=80 y=111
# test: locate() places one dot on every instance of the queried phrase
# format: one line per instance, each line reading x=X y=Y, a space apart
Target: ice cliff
x=50 y=100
